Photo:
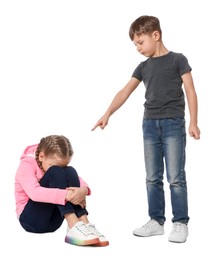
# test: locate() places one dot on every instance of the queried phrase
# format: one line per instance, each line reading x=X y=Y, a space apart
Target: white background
x=61 y=63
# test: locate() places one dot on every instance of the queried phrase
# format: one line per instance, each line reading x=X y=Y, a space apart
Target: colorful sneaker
x=102 y=240
x=151 y=228
x=179 y=233
x=81 y=235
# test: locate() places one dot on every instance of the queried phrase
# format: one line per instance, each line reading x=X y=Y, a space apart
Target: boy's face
x=146 y=43
x=48 y=161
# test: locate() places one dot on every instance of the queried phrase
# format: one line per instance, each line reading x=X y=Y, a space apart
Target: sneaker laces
x=149 y=223
x=84 y=229
x=178 y=227
x=94 y=230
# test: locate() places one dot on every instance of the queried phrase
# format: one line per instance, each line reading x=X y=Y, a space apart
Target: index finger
x=96 y=125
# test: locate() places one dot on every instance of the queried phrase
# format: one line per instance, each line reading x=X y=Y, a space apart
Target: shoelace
x=94 y=230
x=85 y=230
x=178 y=227
x=149 y=224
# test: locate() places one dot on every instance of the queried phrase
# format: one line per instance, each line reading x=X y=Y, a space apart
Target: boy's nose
x=138 y=49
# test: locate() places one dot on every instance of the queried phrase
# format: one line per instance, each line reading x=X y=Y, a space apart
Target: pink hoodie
x=27 y=183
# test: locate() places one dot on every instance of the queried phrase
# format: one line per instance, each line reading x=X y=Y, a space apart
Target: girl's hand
x=83 y=204
x=76 y=195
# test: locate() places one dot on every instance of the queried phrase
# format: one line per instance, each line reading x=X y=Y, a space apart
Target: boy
x=163 y=74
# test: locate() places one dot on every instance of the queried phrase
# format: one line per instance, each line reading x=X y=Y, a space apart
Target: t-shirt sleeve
x=184 y=66
x=137 y=73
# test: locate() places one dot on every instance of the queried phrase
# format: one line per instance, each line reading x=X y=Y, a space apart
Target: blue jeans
x=41 y=217
x=164 y=144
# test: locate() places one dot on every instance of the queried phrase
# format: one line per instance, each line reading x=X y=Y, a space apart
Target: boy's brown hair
x=144 y=24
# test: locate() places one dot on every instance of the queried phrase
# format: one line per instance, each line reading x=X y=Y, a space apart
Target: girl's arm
x=27 y=180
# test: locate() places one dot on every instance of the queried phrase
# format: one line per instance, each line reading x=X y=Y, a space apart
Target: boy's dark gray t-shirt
x=162 y=79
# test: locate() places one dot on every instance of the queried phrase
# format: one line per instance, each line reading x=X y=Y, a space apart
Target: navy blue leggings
x=40 y=217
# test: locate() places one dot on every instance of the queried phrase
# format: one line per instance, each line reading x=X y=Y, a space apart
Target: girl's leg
x=73 y=181
x=58 y=177
x=81 y=217
x=72 y=219
x=71 y=176
x=39 y=217
x=84 y=218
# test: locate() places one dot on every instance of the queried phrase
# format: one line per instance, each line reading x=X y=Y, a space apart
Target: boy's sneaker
x=81 y=235
x=151 y=228
x=102 y=240
x=179 y=233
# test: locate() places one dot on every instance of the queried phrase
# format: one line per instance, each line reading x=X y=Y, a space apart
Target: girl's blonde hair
x=54 y=145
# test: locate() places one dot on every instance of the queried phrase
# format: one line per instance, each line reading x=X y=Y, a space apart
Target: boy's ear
x=156 y=35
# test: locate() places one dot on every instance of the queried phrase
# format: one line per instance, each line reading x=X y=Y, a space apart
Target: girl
x=47 y=191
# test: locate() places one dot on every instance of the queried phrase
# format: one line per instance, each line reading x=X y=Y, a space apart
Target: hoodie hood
x=29 y=151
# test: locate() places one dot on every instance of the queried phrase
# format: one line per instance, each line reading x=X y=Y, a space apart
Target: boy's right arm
x=117 y=102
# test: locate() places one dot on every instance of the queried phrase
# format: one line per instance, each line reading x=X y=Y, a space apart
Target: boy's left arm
x=192 y=104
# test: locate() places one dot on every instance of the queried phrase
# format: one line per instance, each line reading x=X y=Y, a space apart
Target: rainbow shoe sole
x=78 y=242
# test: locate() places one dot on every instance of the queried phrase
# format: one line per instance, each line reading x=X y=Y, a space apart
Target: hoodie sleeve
x=26 y=177
x=84 y=184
